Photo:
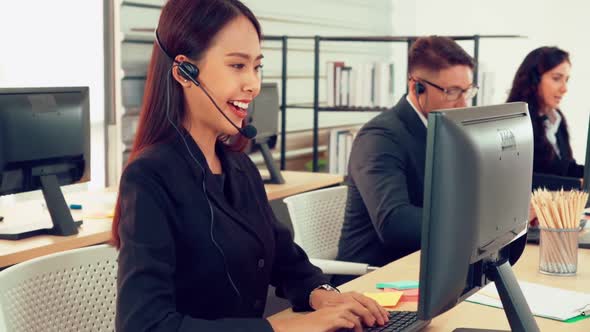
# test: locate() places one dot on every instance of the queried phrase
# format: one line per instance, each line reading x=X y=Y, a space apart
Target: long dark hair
x=185 y=27
x=525 y=87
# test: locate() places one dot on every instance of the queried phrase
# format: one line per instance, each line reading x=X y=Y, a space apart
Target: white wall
x=57 y=43
x=544 y=22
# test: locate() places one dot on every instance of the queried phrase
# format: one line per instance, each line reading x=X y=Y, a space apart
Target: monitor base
x=19 y=235
x=61 y=217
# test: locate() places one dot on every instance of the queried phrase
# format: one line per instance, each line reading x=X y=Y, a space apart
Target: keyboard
x=406 y=321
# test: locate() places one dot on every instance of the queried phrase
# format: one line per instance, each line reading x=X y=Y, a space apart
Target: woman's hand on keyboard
x=367 y=309
x=328 y=319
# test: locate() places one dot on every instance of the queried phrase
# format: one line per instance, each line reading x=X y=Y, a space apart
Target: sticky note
x=411 y=292
x=410 y=295
x=401 y=285
x=412 y=299
x=100 y=215
x=386 y=299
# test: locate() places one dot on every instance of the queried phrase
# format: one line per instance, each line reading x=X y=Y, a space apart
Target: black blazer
x=386 y=182
x=175 y=263
x=564 y=165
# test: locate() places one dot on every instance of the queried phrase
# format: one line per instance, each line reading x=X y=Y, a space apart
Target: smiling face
x=230 y=73
x=553 y=85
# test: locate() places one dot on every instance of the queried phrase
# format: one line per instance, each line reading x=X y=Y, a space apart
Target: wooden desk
x=299 y=182
x=96 y=230
x=470 y=315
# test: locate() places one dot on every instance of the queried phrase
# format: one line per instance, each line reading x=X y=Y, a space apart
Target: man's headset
x=191 y=72
x=419 y=87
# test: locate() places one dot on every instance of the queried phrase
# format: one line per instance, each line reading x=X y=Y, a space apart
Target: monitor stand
x=515 y=306
x=275 y=173
x=61 y=217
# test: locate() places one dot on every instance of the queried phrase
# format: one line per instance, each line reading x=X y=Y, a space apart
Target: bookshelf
x=132 y=37
x=315 y=105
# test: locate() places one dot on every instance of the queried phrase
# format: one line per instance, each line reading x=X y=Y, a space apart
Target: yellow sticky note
x=100 y=215
x=386 y=299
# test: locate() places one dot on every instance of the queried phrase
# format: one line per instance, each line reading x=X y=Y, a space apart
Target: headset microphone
x=191 y=72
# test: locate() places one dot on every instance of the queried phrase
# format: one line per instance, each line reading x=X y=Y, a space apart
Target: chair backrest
x=317 y=218
x=68 y=291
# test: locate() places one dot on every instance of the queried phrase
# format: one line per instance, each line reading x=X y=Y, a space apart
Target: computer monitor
x=264 y=115
x=479 y=163
x=44 y=143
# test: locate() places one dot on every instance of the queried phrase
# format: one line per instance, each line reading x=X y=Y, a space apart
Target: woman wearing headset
x=541 y=81
x=198 y=242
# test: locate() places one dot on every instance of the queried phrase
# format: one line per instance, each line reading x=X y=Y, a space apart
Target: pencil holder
x=558 y=248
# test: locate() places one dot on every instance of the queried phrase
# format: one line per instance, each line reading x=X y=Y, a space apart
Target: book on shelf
x=339 y=149
x=344 y=95
x=332 y=76
x=360 y=85
x=383 y=92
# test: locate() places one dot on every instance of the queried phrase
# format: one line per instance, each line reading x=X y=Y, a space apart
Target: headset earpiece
x=189 y=71
x=420 y=88
x=186 y=69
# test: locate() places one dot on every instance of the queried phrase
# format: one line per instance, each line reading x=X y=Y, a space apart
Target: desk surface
x=299 y=182
x=97 y=230
x=470 y=315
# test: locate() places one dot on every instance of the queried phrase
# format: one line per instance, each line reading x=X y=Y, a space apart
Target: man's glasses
x=455 y=93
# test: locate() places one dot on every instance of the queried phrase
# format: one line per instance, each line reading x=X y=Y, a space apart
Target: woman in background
x=541 y=81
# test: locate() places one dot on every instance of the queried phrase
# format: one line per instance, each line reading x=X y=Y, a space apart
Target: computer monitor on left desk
x=264 y=115
x=44 y=144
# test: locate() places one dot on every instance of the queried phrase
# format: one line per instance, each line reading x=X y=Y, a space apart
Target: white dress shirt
x=420 y=115
x=551 y=129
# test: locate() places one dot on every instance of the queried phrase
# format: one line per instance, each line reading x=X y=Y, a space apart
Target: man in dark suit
x=383 y=219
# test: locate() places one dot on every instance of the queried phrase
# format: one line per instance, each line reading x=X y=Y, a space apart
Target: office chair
x=317 y=218
x=68 y=291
